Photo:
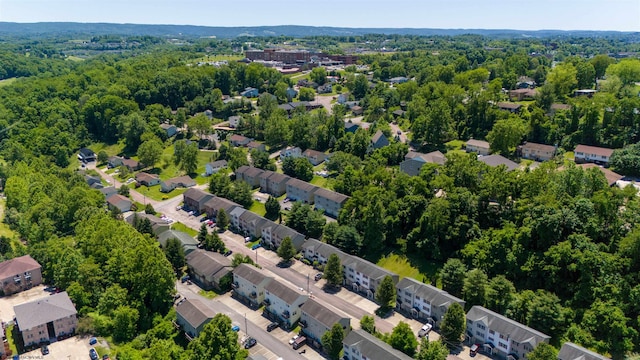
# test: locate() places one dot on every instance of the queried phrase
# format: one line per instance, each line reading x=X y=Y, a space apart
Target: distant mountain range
x=71 y=28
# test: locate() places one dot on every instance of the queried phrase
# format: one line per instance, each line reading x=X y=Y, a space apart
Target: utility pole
x=246 y=328
x=256 y=256
x=307 y=282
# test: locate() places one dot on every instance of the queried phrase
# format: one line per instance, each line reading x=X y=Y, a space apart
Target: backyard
x=413 y=267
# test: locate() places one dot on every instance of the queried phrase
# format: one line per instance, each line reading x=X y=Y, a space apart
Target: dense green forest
x=556 y=250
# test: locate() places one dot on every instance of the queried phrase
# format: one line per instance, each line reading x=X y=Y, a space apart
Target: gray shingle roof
x=218 y=203
x=516 y=331
x=324 y=249
x=302 y=185
x=196 y=195
x=283 y=292
x=539 y=147
x=218 y=163
x=435 y=296
x=45 y=310
x=497 y=160
x=251 y=273
x=372 y=347
x=571 y=351
x=321 y=313
x=195 y=312
x=372 y=270
x=185 y=239
x=478 y=143
x=209 y=263
x=331 y=195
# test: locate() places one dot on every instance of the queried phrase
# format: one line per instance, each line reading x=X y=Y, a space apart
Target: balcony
x=285 y=314
x=253 y=295
x=266 y=302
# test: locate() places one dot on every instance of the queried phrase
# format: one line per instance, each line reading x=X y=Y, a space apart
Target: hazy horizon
x=596 y=15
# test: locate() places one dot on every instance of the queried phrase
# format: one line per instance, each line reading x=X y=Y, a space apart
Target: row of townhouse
x=277 y=184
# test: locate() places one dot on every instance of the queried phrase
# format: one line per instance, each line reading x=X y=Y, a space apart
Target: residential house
x=360 y=345
x=96 y=186
x=571 y=351
x=254 y=145
x=234 y=121
x=592 y=154
x=249 y=174
x=511 y=107
x=273 y=183
x=558 y=107
x=522 y=94
x=317 y=319
x=324 y=89
x=612 y=177
x=187 y=242
x=46 y=318
x=497 y=160
x=283 y=303
x=378 y=140
x=214 y=167
x=235 y=216
x=291 y=93
x=525 y=82
x=252 y=224
x=350 y=127
x=215 y=204
x=19 y=274
x=398 y=113
x=114 y=161
x=398 y=80
x=329 y=201
x=173 y=183
x=343 y=98
x=478 y=146
x=157 y=225
x=169 y=129
x=122 y=203
x=302 y=191
x=364 y=277
x=250 y=92
x=192 y=315
x=357 y=110
x=210 y=270
x=132 y=165
x=91 y=180
x=248 y=284
x=585 y=92
x=537 y=152
x=86 y=155
x=316 y=250
x=414 y=161
x=273 y=234
x=424 y=301
x=109 y=191
x=315 y=157
x=501 y=336
x=147 y=179
x=194 y=199
x=294 y=152
x=239 y=140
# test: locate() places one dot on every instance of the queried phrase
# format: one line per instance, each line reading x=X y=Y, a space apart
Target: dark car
x=93 y=354
x=272 y=326
x=45 y=350
x=93 y=341
x=251 y=342
x=256 y=246
x=228 y=253
x=185 y=279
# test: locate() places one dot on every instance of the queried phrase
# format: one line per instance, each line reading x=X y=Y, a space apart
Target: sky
x=621 y=15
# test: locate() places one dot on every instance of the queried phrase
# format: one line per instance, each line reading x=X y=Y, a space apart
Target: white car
x=424 y=330
x=293 y=339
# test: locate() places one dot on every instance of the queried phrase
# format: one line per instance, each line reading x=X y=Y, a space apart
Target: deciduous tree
x=333 y=271
x=386 y=293
x=286 y=251
x=432 y=350
x=453 y=325
x=403 y=339
x=332 y=341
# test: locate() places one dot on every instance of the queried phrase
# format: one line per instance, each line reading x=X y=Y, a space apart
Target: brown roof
x=184 y=180
x=478 y=143
x=600 y=151
x=116 y=199
x=313 y=153
x=209 y=263
x=538 y=147
x=130 y=163
x=146 y=177
x=254 y=145
x=17 y=265
x=196 y=194
x=611 y=177
x=510 y=106
x=238 y=138
x=560 y=107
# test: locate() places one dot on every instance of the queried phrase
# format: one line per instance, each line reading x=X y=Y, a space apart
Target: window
x=424 y=307
x=479 y=334
x=491 y=339
x=480 y=326
x=504 y=346
x=417 y=297
x=492 y=332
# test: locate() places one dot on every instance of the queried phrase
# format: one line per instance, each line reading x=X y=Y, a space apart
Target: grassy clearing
x=110 y=149
x=455 y=145
x=155 y=193
x=74 y=58
x=258 y=208
x=184 y=228
x=569 y=155
x=319 y=181
x=4 y=228
x=8 y=81
x=208 y=294
x=413 y=266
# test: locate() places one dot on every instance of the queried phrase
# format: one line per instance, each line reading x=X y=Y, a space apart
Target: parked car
x=106 y=357
x=256 y=246
x=293 y=339
x=178 y=208
x=228 y=253
x=299 y=342
x=185 y=279
x=251 y=342
x=235 y=328
x=318 y=276
x=272 y=326
x=424 y=330
x=203 y=219
x=247 y=239
x=93 y=341
x=473 y=350
x=44 y=350
x=286 y=200
x=93 y=354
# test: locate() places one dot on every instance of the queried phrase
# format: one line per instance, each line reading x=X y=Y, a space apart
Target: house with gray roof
x=317 y=319
x=176 y=182
x=216 y=203
x=117 y=201
x=423 y=301
x=478 y=146
x=378 y=140
x=157 y=225
x=302 y=191
x=360 y=345
x=330 y=202
x=188 y=242
x=109 y=191
x=194 y=199
x=363 y=276
x=18 y=274
x=282 y=303
x=192 y=315
x=273 y=234
x=210 y=270
x=350 y=127
x=497 y=160
x=46 y=318
x=315 y=157
x=414 y=161
x=273 y=183
x=252 y=224
x=147 y=179
x=501 y=336
x=214 y=167
x=249 y=174
x=571 y=351
x=248 y=284
x=234 y=215
x=316 y=250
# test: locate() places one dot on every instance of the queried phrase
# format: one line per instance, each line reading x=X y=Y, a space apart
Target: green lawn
x=168 y=168
x=155 y=193
x=455 y=144
x=8 y=81
x=184 y=228
x=319 y=181
x=110 y=149
x=258 y=208
x=12 y=344
x=569 y=155
x=414 y=267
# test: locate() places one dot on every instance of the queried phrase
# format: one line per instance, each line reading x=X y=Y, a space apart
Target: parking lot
x=75 y=348
x=8 y=302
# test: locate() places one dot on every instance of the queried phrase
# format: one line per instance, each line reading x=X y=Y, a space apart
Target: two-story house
x=363 y=276
x=283 y=303
x=360 y=345
x=209 y=269
x=378 y=141
x=414 y=161
x=317 y=319
x=273 y=183
x=215 y=166
x=249 y=174
x=249 y=283
x=423 y=301
x=252 y=224
x=478 y=146
x=273 y=234
x=571 y=351
x=329 y=201
x=537 y=152
x=194 y=199
x=45 y=319
x=501 y=336
x=215 y=204
x=315 y=157
x=19 y=274
x=592 y=154
x=302 y=191
x=192 y=315
x=294 y=152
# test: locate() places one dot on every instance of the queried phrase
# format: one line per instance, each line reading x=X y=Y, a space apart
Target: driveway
x=75 y=348
x=8 y=302
x=396 y=130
